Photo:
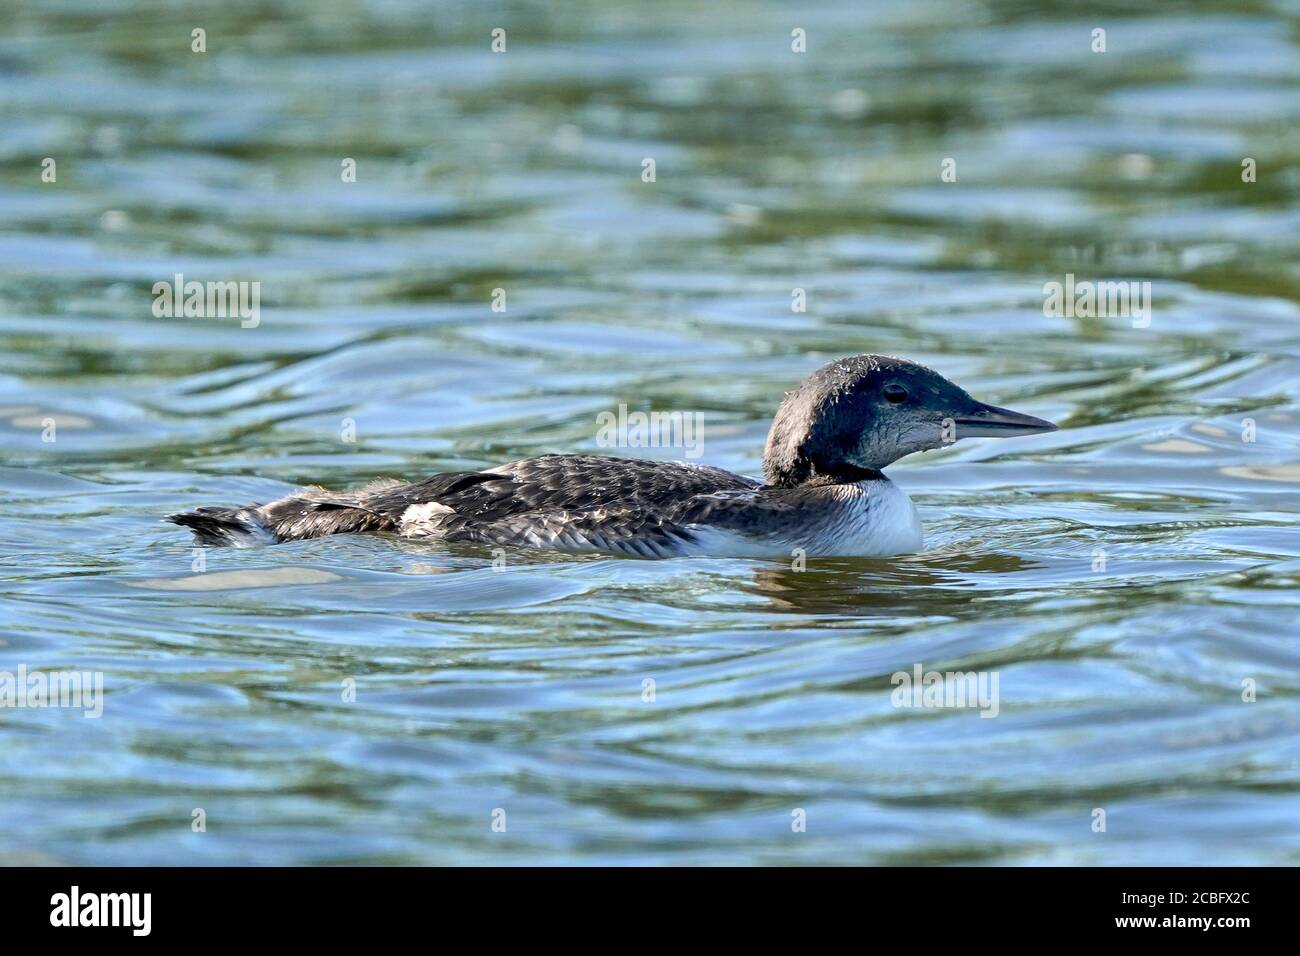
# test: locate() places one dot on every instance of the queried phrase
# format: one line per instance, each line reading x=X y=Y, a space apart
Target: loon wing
x=564 y=501
x=562 y=483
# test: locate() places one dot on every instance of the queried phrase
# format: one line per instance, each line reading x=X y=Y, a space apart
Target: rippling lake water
x=1129 y=579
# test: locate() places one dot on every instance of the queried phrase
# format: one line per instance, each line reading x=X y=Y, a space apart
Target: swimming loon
x=824 y=490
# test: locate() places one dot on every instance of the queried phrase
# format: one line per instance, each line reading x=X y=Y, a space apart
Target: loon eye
x=895 y=394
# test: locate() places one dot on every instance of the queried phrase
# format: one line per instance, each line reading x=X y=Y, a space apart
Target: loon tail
x=231 y=527
x=307 y=513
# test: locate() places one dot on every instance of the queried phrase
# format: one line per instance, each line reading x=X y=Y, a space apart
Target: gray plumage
x=824 y=491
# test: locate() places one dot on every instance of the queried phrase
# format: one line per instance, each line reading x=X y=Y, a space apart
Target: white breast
x=875 y=518
x=882 y=521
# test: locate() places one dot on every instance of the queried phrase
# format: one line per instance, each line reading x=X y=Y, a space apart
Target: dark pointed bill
x=989 y=421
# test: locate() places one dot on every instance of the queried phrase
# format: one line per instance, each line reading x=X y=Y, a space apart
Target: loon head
x=851 y=418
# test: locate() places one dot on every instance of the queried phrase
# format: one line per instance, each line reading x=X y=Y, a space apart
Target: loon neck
x=842 y=474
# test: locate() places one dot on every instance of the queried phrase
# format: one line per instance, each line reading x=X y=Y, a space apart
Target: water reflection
x=1123 y=576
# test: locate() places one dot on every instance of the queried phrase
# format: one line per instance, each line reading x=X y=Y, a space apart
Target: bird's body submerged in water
x=824 y=492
